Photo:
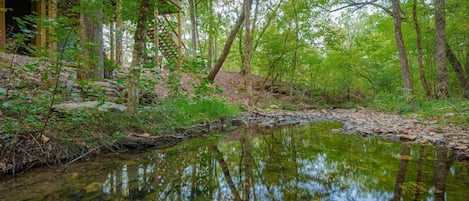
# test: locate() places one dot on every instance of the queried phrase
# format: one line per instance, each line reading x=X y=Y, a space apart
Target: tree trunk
x=463 y=79
x=193 y=28
x=211 y=38
x=467 y=58
x=423 y=78
x=227 y=47
x=137 y=53
x=440 y=50
x=92 y=40
x=247 y=50
x=156 y=39
x=241 y=52
x=52 y=39
x=119 y=36
x=396 y=12
x=112 y=52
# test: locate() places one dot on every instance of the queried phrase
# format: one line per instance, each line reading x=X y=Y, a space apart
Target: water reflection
x=291 y=164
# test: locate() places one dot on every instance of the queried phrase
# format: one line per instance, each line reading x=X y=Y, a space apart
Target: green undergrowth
x=155 y=119
x=92 y=126
x=450 y=111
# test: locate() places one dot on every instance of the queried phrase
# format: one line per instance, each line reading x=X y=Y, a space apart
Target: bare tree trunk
x=227 y=47
x=119 y=36
x=247 y=50
x=423 y=78
x=463 y=79
x=193 y=28
x=137 y=53
x=92 y=37
x=440 y=50
x=396 y=13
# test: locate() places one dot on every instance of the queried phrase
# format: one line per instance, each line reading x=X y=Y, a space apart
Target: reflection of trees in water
x=442 y=165
x=282 y=165
x=419 y=172
x=405 y=155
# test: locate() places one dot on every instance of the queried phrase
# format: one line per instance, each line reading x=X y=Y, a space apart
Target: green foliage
x=388 y=102
x=164 y=118
x=446 y=111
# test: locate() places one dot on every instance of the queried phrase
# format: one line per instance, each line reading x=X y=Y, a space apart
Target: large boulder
x=90 y=105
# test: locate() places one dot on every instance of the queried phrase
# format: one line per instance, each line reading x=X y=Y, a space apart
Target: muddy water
x=293 y=163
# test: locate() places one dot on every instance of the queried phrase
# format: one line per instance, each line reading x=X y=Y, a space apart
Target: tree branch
x=362 y=4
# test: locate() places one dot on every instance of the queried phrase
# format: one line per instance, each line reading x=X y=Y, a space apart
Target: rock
x=407 y=138
x=238 y=122
x=461 y=147
x=434 y=138
x=336 y=130
x=74 y=107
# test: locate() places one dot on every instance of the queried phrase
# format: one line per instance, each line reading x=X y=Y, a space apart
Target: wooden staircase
x=166 y=44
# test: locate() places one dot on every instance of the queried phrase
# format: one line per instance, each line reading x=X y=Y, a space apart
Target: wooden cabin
x=11 y=9
x=168 y=39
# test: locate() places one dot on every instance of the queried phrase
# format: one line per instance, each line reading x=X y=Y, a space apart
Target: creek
x=289 y=163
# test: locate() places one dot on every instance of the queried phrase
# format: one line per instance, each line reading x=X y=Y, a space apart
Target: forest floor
x=270 y=100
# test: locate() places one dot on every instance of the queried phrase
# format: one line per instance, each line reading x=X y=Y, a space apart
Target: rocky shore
x=370 y=123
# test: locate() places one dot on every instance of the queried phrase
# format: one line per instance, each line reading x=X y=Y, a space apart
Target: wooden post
x=41 y=36
x=2 y=24
x=179 y=64
x=51 y=38
x=155 y=36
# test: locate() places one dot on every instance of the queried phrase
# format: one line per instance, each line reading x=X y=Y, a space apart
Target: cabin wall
x=11 y=9
x=2 y=24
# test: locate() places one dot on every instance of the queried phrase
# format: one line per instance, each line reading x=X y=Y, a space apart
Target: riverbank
x=362 y=121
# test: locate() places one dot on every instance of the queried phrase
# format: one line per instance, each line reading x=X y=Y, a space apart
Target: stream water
x=291 y=163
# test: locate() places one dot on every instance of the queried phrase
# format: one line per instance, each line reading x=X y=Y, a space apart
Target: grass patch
x=451 y=111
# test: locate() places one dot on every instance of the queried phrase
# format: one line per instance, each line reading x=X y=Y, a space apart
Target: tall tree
x=92 y=39
x=227 y=47
x=423 y=78
x=247 y=50
x=396 y=14
x=397 y=18
x=193 y=28
x=119 y=34
x=137 y=53
x=440 y=50
x=460 y=72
